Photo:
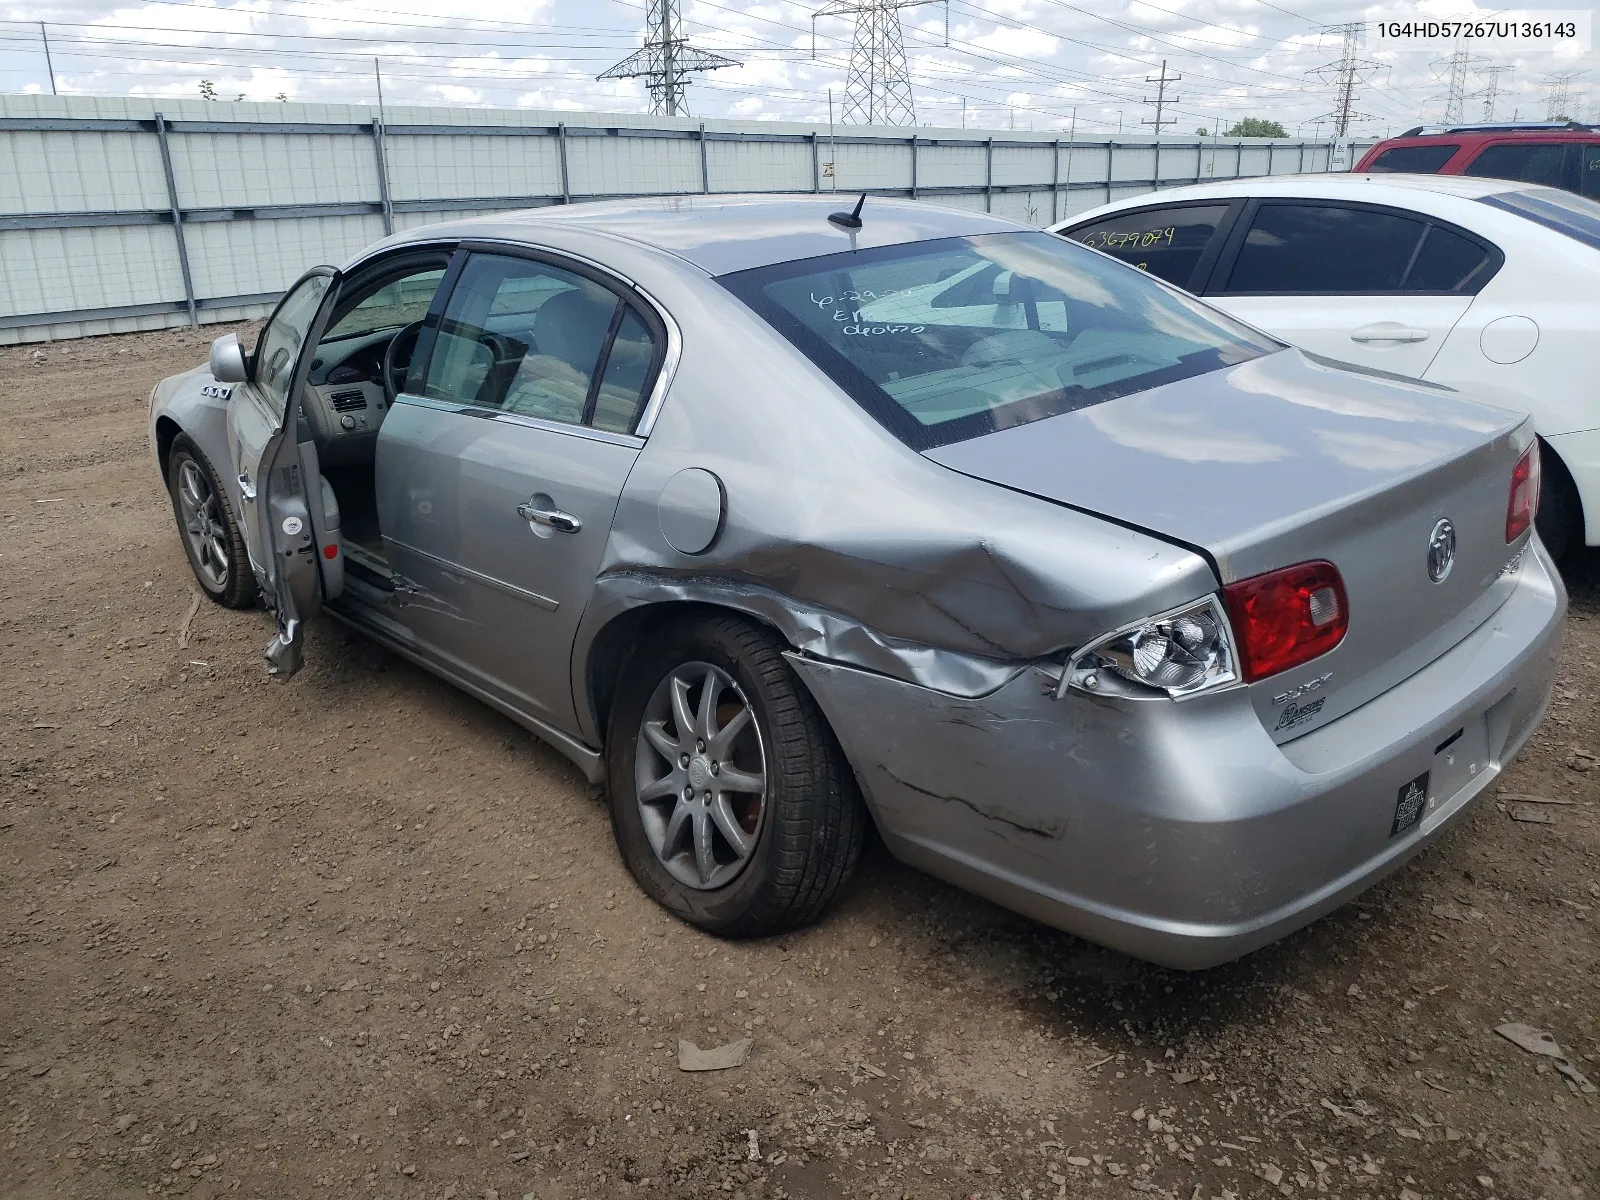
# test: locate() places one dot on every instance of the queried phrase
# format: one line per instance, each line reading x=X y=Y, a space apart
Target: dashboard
x=345 y=400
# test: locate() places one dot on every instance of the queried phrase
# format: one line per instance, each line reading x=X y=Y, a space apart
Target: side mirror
x=227 y=360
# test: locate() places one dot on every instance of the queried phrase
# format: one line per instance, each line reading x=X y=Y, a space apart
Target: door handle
x=246 y=488
x=553 y=518
x=1388 y=331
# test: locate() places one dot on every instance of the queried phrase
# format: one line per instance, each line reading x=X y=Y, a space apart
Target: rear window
x=1324 y=248
x=1575 y=216
x=1416 y=160
x=945 y=340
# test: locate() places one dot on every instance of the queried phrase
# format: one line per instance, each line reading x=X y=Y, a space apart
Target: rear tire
x=1560 y=517
x=208 y=528
x=803 y=831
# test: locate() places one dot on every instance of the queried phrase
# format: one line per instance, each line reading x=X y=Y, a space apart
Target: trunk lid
x=1283 y=459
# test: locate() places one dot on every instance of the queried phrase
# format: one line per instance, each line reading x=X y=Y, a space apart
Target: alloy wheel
x=202 y=525
x=700 y=776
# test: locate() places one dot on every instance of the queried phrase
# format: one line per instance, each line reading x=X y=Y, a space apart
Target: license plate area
x=1458 y=759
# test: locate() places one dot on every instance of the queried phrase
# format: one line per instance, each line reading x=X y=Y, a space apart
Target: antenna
x=851 y=219
x=666 y=61
x=877 y=89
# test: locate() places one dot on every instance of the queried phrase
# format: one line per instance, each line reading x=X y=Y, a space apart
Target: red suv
x=1562 y=155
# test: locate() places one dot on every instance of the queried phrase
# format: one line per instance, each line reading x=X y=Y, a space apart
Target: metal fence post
x=1111 y=161
x=1271 y=146
x=913 y=166
x=988 y=174
x=816 y=164
x=1238 y=162
x=383 y=177
x=1157 y=180
x=177 y=219
x=705 y=165
x=566 y=185
x=1301 y=169
x=1055 y=185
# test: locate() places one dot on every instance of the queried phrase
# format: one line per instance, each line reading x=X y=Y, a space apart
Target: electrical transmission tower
x=1457 y=67
x=1490 y=90
x=666 y=61
x=1559 y=98
x=1344 y=75
x=877 y=86
x=1162 y=99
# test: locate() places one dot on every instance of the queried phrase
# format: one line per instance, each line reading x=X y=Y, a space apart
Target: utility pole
x=1344 y=75
x=666 y=61
x=1559 y=97
x=877 y=87
x=48 y=65
x=377 y=73
x=1162 y=99
x=1490 y=90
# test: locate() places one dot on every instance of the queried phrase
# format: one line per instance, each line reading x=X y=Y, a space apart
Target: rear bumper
x=1179 y=833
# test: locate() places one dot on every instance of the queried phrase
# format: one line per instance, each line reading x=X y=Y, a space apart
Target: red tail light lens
x=1524 y=502
x=1287 y=617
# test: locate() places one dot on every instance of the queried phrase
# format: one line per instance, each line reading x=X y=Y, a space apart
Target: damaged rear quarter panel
x=859 y=549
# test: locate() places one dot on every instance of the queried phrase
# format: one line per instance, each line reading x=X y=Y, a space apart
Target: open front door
x=263 y=414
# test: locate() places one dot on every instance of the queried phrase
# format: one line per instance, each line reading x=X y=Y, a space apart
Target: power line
x=666 y=61
x=1558 y=98
x=1345 y=74
x=1458 y=65
x=1490 y=90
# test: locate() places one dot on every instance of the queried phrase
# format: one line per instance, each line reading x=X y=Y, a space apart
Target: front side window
x=523 y=337
x=398 y=302
x=946 y=340
x=1312 y=249
x=278 y=348
x=1527 y=162
x=1415 y=160
x=1167 y=242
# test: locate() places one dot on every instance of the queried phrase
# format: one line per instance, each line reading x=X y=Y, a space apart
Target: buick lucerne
x=778 y=519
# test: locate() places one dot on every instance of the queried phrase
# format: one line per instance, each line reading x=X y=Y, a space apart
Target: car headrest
x=571 y=326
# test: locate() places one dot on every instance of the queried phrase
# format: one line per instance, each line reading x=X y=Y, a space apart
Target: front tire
x=211 y=535
x=731 y=801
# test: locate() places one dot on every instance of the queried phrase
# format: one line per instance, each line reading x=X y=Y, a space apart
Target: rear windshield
x=947 y=340
x=1573 y=215
x=1417 y=160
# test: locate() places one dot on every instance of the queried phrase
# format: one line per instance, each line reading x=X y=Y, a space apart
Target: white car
x=1488 y=286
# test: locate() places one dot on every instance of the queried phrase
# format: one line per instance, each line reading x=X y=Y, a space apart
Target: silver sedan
x=779 y=519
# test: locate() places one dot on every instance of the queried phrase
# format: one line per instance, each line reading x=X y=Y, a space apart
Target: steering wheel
x=397 y=360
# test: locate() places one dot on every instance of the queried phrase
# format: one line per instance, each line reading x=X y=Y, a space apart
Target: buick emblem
x=1441 y=550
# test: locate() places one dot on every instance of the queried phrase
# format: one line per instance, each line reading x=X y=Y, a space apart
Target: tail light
x=1287 y=617
x=1524 y=501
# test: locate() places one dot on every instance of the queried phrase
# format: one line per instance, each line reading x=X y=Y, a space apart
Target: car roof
x=1373 y=186
x=734 y=232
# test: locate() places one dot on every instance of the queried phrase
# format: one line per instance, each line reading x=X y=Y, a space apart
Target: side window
x=1417 y=160
x=521 y=336
x=627 y=370
x=398 y=302
x=1324 y=249
x=1167 y=242
x=1530 y=162
x=279 y=345
x=1589 y=171
x=1449 y=262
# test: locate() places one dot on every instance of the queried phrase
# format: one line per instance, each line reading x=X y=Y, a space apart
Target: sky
x=1044 y=65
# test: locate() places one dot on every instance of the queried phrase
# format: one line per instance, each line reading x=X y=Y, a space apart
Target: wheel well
x=611 y=648
x=167 y=431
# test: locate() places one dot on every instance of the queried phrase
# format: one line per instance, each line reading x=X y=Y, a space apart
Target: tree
x=208 y=90
x=1203 y=131
x=282 y=97
x=1257 y=127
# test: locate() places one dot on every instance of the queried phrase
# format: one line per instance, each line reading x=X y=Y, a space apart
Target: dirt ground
x=357 y=935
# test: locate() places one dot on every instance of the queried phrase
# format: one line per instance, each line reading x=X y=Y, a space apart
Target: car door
x=263 y=440
x=1360 y=283
x=500 y=466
